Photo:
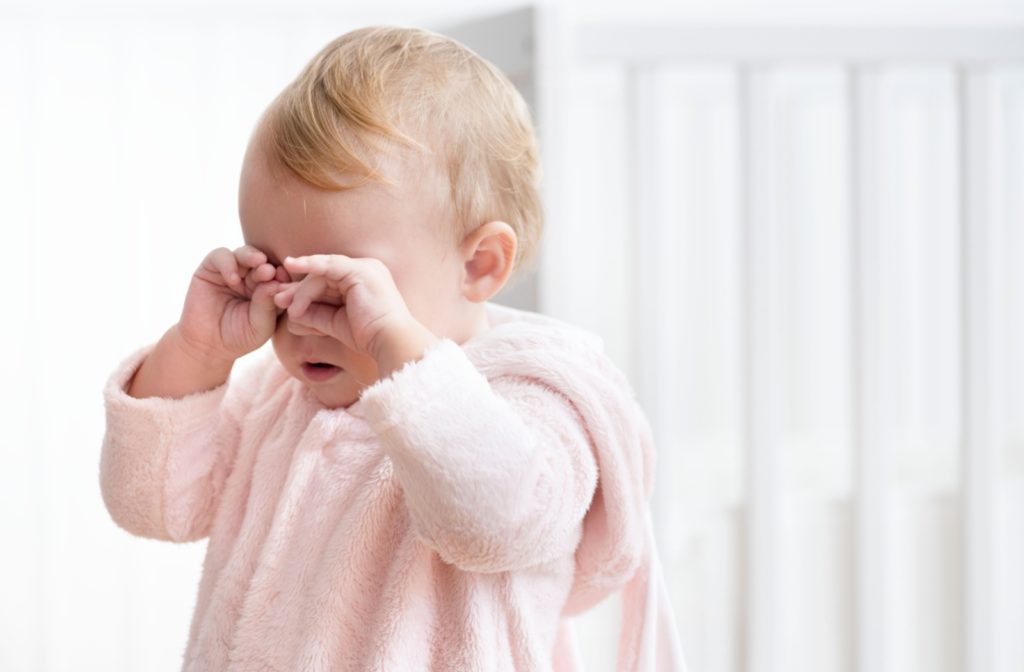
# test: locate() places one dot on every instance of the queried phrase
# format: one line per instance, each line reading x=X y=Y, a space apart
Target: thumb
x=263 y=311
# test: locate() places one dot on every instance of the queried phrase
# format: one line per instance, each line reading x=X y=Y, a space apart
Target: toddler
x=413 y=478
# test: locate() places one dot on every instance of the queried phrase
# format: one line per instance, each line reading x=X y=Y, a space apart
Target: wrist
x=401 y=343
x=197 y=355
x=174 y=369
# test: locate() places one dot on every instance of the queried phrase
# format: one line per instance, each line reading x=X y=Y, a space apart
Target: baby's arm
x=173 y=370
x=166 y=455
x=172 y=418
x=497 y=475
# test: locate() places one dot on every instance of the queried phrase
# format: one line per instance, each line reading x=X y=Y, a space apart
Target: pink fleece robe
x=453 y=518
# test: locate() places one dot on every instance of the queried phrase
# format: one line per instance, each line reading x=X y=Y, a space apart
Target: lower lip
x=319 y=373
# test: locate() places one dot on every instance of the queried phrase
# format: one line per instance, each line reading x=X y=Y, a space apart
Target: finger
x=263 y=298
x=306 y=320
x=223 y=262
x=254 y=277
x=249 y=256
x=327 y=320
x=284 y=294
x=262 y=311
x=334 y=266
x=299 y=329
x=307 y=290
x=246 y=257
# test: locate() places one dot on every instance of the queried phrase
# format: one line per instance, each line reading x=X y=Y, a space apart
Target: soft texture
x=453 y=518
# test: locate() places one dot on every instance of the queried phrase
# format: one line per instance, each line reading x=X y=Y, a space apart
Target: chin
x=334 y=396
x=333 y=401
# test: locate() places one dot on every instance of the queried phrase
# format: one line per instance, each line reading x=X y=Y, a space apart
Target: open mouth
x=319 y=371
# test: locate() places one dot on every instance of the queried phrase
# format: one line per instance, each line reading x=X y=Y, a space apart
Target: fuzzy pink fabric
x=454 y=518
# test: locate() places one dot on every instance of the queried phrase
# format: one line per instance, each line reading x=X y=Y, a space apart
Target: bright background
x=808 y=264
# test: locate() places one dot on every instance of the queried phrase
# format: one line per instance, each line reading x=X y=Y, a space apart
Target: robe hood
x=617 y=550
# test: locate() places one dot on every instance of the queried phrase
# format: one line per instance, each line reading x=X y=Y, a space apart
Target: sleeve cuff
x=185 y=413
x=411 y=392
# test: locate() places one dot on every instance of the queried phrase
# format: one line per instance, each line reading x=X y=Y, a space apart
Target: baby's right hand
x=229 y=309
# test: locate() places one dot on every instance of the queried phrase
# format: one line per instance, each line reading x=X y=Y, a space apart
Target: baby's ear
x=489 y=252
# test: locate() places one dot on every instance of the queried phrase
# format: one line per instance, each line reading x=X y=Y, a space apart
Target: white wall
x=438 y=13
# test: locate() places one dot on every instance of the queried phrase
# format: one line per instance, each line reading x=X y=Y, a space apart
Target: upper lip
x=312 y=360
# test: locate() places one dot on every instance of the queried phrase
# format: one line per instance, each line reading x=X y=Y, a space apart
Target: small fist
x=354 y=300
x=229 y=309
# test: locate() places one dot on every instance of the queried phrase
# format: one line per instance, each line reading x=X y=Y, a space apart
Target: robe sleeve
x=497 y=474
x=164 y=461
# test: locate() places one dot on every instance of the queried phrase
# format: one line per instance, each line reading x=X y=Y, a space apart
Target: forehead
x=284 y=215
x=290 y=221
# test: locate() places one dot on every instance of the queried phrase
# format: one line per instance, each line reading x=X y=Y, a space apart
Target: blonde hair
x=378 y=87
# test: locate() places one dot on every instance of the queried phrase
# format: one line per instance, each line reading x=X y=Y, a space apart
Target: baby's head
x=403 y=145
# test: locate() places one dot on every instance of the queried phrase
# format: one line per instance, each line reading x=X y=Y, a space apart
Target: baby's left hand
x=371 y=305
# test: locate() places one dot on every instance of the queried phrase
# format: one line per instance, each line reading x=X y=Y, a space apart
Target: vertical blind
x=804 y=244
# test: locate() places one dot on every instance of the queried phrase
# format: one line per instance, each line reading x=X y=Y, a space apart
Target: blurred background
x=797 y=226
